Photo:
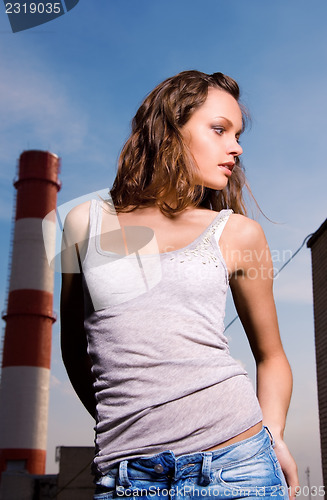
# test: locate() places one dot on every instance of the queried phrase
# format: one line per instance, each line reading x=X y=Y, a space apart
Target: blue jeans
x=246 y=469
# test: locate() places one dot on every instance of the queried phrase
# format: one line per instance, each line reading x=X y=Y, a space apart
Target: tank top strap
x=95 y=219
x=221 y=223
x=93 y=231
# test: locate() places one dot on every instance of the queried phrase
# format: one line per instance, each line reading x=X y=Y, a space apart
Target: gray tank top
x=164 y=377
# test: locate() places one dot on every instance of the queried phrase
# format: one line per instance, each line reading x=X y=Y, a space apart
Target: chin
x=217 y=186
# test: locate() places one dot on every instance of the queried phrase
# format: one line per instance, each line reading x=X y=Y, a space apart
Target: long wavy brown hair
x=155 y=165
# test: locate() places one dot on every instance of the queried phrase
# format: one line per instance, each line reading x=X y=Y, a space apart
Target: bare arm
x=252 y=288
x=73 y=338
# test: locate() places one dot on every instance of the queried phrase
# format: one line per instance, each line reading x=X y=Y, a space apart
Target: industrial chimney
x=25 y=375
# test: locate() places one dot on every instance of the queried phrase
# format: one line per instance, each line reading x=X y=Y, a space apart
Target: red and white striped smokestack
x=27 y=345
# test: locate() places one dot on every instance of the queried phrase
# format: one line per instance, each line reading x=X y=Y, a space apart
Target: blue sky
x=71 y=86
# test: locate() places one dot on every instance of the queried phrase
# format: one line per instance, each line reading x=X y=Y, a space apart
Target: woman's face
x=211 y=135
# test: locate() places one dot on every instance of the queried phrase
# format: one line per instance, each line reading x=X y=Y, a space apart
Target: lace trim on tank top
x=204 y=247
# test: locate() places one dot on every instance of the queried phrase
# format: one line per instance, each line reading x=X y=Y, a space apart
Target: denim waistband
x=167 y=464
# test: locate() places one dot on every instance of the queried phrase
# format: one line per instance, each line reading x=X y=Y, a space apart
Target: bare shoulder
x=78 y=213
x=75 y=232
x=242 y=232
x=242 y=243
x=77 y=222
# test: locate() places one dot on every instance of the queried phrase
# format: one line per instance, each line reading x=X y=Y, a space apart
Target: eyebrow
x=230 y=124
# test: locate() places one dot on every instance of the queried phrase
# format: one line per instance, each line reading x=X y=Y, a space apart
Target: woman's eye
x=219 y=130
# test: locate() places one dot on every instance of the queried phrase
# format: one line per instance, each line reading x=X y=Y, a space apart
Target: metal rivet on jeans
x=158 y=468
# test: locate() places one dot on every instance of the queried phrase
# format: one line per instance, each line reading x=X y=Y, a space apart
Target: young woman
x=142 y=324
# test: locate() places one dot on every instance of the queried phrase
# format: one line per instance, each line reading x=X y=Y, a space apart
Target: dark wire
x=278 y=271
x=57 y=493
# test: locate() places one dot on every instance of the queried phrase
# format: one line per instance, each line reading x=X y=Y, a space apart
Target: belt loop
x=123 y=476
x=272 y=441
x=205 y=471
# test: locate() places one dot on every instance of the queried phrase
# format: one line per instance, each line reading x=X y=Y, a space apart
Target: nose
x=234 y=148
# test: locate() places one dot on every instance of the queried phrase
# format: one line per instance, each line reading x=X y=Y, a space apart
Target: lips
x=227 y=168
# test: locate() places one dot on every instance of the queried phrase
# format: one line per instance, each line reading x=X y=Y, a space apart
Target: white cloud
x=54 y=381
x=62 y=387
x=297 y=290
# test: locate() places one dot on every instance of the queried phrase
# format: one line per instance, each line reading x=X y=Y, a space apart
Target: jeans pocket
x=256 y=475
x=278 y=470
